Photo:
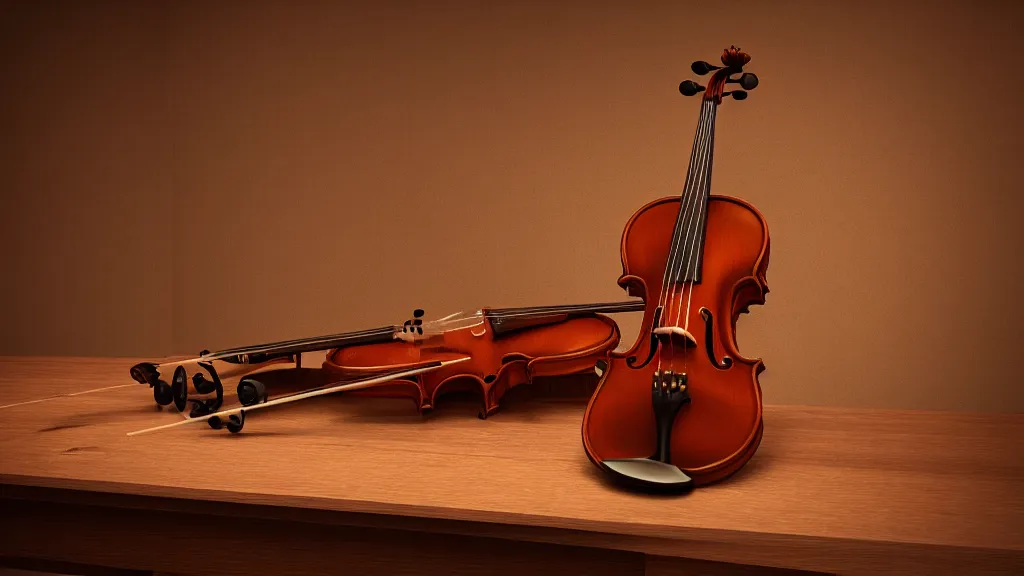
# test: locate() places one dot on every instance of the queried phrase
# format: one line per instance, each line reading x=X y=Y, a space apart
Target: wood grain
x=833 y=490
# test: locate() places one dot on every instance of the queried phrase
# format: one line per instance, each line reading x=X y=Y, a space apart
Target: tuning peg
x=418 y=313
x=163 y=394
x=251 y=391
x=736 y=94
x=202 y=384
x=701 y=67
x=689 y=88
x=748 y=81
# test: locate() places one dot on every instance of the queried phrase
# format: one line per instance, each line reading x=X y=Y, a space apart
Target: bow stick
x=236 y=416
x=65 y=395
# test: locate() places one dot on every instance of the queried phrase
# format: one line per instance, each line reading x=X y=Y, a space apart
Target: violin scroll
x=412 y=330
x=733 y=60
x=179 y=388
x=414 y=326
x=733 y=57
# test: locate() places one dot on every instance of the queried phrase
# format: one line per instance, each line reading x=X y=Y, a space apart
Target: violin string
x=683 y=223
x=687 y=211
x=670 y=264
x=703 y=185
x=693 y=220
x=693 y=202
x=699 y=229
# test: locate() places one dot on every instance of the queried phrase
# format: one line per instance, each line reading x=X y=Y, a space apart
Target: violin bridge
x=675 y=333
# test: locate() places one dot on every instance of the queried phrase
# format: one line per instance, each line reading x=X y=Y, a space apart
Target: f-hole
x=709 y=340
x=631 y=361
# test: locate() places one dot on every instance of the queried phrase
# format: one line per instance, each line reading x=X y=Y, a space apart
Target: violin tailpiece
x=667 y=397
x=656 y=473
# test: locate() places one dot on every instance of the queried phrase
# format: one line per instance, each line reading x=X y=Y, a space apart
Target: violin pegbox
x=412 y=330
x=733 y=60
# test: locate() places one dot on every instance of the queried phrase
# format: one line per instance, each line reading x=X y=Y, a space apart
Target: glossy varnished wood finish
x=720 y=430
x=572 y=346
x=830 y=490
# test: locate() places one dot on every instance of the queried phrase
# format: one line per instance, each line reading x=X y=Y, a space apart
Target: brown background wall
x=188 y=175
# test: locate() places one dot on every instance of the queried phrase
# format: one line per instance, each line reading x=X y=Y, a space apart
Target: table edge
x=803 y=552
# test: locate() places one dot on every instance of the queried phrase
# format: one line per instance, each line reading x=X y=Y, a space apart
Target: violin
x=682 y=407
x=490 y=350
x=505 y=347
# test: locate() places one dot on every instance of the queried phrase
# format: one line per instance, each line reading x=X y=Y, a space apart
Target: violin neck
x=686 y=254
x=264 y=352
x=505 y=320
x=568 y=309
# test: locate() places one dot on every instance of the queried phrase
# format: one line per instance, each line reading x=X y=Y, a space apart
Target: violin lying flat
x=491 y=350
x=682 y=407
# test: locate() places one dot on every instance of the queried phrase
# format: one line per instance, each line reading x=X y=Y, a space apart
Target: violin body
x=490 y=350
x=720 y=429
x=496 y=360
x=682 y=407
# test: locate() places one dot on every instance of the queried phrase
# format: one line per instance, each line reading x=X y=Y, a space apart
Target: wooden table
x=367 y=486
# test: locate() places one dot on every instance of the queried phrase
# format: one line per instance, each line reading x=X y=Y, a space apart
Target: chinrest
x=648 y=474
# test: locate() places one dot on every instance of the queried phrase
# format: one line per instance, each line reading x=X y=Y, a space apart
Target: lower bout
x=728 y=468
x=709 y=438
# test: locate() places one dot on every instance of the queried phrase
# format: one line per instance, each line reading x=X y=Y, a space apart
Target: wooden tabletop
x=834 y=490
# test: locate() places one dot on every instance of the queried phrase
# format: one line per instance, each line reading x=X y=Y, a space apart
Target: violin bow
x=65 y=395
x=236 y=416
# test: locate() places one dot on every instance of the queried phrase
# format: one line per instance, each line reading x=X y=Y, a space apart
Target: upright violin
x=682 y=407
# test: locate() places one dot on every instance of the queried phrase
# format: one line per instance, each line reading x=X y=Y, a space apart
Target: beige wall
x=182 y=175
